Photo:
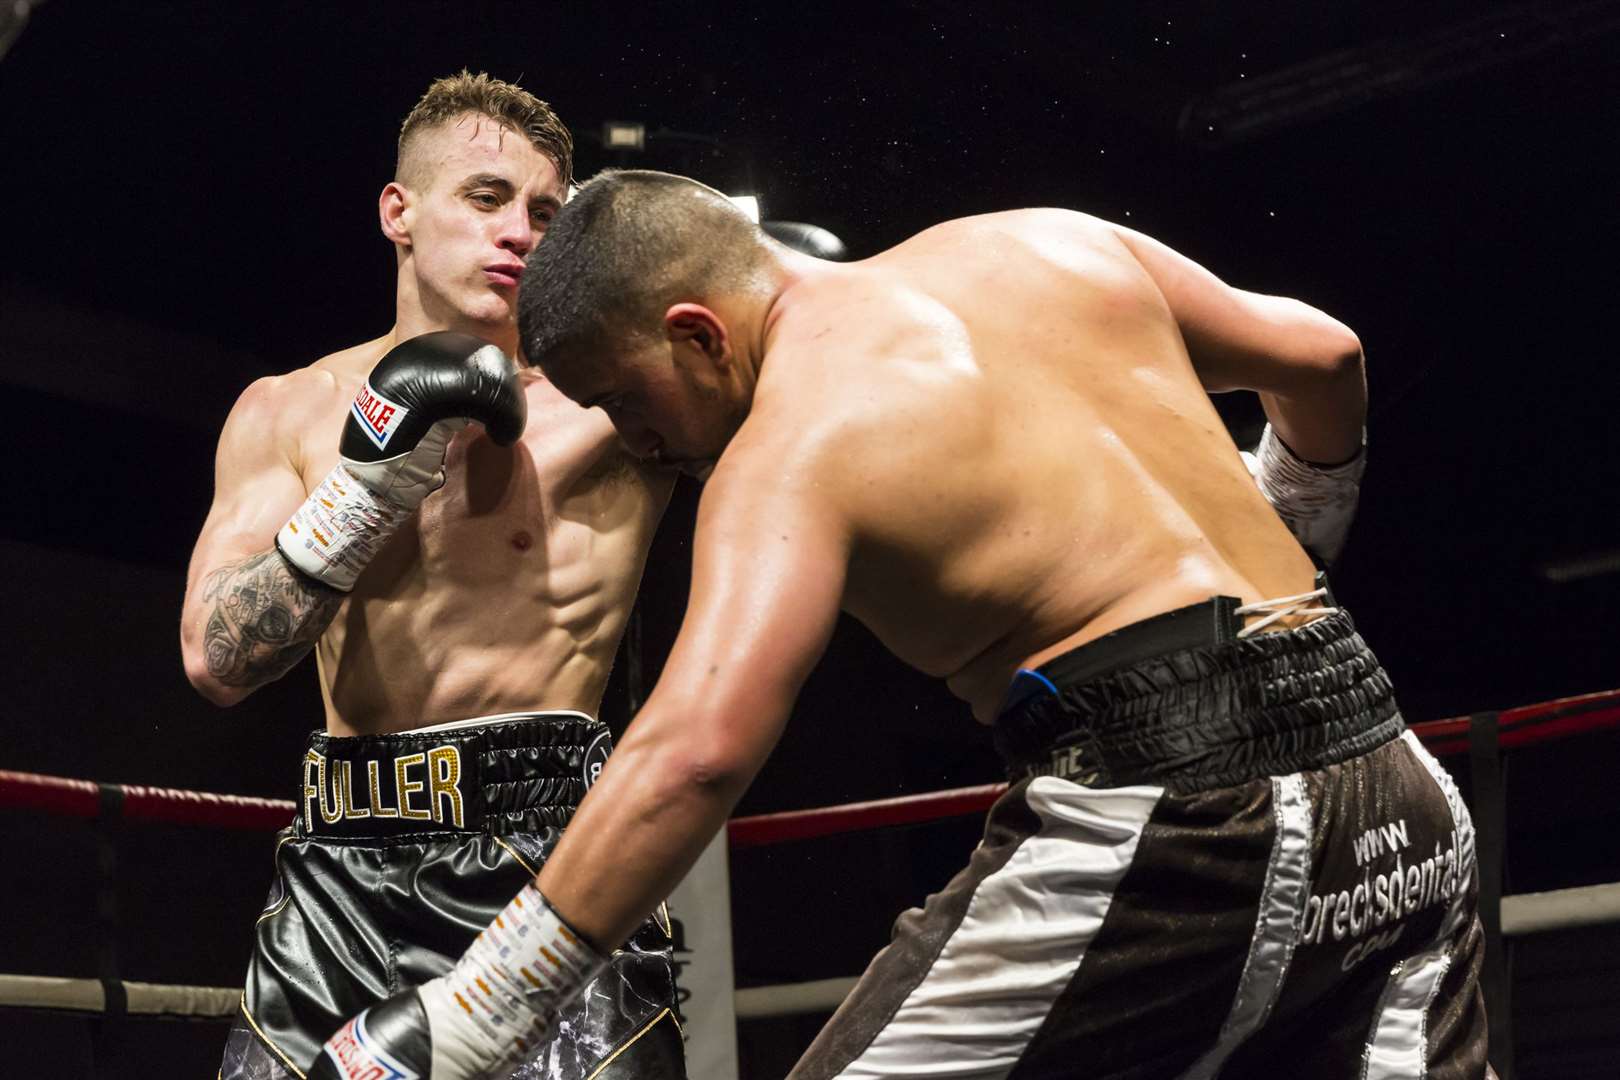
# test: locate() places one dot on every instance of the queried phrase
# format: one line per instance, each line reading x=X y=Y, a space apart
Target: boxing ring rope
x=1520 y=915
x=140 y=998
x=133 y=802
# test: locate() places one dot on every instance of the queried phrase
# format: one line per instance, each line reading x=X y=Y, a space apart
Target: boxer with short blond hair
x=459 y=545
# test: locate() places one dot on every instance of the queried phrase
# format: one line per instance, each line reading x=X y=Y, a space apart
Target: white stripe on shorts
x=1271 y=950
x=1398 y=1045
x=1398 y=1049
x=1461 y=902
x=1020 y=942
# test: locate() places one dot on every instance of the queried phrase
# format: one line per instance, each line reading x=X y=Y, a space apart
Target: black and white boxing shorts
x=1218 y=857
x=404 y=848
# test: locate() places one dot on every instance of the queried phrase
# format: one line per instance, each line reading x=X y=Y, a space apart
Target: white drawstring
x=1283 y=607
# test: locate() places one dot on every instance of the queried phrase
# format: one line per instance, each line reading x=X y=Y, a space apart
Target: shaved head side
x=625 y=248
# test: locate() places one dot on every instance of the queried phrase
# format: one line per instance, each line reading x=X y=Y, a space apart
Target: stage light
x=618 y=135
x=749 y=205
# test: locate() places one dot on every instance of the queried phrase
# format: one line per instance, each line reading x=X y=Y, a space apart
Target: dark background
x=187 y=202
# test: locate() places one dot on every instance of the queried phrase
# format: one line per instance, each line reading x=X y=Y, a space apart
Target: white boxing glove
x=1316 y=502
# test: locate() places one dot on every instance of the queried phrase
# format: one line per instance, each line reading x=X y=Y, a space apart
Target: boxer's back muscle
x=509 y=588
x=1036 y=462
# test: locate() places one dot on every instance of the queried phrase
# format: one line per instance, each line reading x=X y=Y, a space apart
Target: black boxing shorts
x=1218 y=857
x=404 y=848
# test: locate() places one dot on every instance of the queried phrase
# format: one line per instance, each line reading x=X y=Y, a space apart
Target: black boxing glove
x=482 y=1017
x=387 y=1040
x=391 y=456
x=807 y=239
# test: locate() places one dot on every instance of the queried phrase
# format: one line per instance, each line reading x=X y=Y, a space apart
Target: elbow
x=1340 y=358
x=694 y=774
x=1350 y=363
x=208 y=685
x=717 y=774
x=696 y=755
x=217 y=693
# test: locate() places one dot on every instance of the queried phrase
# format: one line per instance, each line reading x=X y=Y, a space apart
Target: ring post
x=1490 y=832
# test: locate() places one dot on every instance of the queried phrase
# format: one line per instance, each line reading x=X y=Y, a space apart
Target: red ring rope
x=1527 y=725
x=1522 y=726
x=83 y=799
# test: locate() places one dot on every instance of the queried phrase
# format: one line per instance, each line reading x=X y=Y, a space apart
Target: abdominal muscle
x=411 y=671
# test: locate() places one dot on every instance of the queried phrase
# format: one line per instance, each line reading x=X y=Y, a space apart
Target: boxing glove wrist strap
x=502 y=998
x=1317 y=502
x=335 y=533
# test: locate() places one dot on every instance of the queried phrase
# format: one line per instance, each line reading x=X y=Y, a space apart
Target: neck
x=790 y=270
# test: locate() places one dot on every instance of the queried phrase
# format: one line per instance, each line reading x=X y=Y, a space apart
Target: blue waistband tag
x=1025 y=685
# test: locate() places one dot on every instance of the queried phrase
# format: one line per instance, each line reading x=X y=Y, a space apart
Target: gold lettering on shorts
x=444 y=774
x=377 y=808
x=313 y=764
x=331 y=811
x=351 y=811
x=403 y=787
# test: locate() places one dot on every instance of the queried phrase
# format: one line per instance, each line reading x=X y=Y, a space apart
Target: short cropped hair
x=629 y=244
x=509 y=105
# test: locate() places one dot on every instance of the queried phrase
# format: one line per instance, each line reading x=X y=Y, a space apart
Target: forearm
x=645 y=822
x=1323 y=419
x=253 y=619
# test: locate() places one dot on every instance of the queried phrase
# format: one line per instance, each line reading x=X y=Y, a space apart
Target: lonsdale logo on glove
x=360 y=1058
x=379 y=418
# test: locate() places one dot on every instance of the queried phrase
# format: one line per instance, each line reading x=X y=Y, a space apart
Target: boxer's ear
x=394 y=208
x=698 y=327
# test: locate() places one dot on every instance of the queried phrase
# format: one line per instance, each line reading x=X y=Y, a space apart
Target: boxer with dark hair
x=459 y=544
x=1220 y=853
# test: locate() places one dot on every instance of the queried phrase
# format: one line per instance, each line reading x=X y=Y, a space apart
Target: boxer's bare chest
x=522 y=516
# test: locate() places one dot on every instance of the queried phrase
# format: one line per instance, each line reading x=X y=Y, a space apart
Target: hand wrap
x=1316 y=502
x=333 y=536
x=503 y=996
x=483 y=1016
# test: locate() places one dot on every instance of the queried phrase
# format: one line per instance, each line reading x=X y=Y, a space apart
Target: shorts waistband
x=516 y=772
x=1179 y=700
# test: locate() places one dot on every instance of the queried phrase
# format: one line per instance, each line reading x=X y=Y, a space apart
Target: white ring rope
x=1529 y=913
x=143 y=999
x=1560 y=909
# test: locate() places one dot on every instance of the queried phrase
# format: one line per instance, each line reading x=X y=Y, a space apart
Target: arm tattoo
x=265 y=617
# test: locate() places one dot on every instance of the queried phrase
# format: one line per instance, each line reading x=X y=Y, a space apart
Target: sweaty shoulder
x=1014 y=242
x=275 y=402
x=897 y=351
x=860 y=360
x=930 y=298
